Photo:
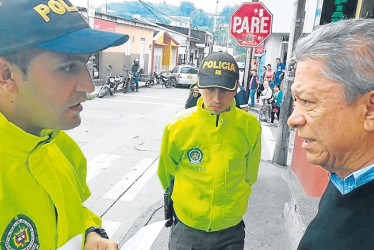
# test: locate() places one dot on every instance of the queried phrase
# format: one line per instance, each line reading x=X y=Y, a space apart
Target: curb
x=141 y=221
x=300 y=211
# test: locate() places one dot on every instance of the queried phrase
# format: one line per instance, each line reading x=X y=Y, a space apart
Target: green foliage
x=185 y=8
x=160 y=13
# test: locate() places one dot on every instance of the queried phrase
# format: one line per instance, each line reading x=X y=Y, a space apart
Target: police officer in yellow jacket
x=44 y=48
x=212 y=152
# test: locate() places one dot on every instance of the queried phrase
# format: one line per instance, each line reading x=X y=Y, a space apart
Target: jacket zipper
x=217 y=119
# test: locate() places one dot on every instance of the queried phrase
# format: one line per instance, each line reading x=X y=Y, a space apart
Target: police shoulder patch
x=20 y=234
x=195 y=156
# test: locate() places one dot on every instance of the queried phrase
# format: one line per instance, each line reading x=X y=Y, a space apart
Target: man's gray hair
x=347 y=47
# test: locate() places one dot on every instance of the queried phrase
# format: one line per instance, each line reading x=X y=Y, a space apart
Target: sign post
x=250 y=25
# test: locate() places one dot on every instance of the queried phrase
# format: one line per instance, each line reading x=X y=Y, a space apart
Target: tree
x=185 y=8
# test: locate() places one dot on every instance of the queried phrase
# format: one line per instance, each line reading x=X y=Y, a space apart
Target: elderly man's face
x=330 y=127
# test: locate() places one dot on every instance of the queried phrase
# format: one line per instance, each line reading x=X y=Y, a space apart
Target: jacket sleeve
x=91 y=219
x=78 y=161
x=169 y=158
x=254 y=157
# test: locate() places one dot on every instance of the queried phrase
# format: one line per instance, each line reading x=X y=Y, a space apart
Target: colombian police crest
x=20 y=234
x=195 y=155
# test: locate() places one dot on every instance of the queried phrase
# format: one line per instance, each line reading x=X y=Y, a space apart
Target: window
x=189 y=71
x=128 y=48
x=175 y=70
x=185 y=70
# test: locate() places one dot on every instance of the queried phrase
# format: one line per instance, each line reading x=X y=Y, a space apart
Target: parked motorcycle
x=111 y=84
x=159 y=79
x=129 y=82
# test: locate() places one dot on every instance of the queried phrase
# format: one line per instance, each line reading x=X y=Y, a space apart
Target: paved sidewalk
x=265 y=228
x=266 y=225
x=278 y=210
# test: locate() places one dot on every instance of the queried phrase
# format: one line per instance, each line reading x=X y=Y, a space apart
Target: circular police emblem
x=195 y=155
x=20 y=234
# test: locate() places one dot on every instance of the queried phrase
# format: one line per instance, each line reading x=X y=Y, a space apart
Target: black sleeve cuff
x=100 y=231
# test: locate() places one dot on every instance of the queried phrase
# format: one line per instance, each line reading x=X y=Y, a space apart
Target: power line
x=148 y=8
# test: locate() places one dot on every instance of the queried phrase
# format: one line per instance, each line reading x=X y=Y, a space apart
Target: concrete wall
x=116 y=56
x=272 y=47
x=117 y=60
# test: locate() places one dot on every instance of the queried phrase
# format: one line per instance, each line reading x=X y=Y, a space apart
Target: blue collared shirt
x=354 y=180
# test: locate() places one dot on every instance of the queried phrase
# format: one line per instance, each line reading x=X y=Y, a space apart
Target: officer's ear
x=6 y=81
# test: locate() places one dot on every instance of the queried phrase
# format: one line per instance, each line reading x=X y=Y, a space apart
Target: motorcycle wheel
x=168 y=84
x=148 y=83
x=125 y=86
x=103 y=91
x=173 y=82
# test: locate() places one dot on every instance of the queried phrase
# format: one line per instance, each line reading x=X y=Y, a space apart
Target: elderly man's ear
x=369 y=119
x=6 y=81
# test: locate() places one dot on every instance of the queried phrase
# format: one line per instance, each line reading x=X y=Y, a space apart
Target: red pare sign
x=251 y=24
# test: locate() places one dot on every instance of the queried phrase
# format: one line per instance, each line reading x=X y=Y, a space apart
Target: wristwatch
x=100 y=231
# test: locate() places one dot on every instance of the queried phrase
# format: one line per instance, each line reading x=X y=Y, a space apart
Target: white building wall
x=283 y=11
x=272 y=47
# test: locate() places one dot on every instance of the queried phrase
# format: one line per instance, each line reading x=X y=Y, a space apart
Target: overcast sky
x=206 y=5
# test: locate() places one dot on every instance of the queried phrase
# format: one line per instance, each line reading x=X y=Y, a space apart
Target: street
x=121 y=136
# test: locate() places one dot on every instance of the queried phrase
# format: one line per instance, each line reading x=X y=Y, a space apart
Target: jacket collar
x=15 y=141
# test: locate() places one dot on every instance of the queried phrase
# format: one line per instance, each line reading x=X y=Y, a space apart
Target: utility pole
x=90 y=20
x=283 y=132
x=189 y=40
x=214 y=27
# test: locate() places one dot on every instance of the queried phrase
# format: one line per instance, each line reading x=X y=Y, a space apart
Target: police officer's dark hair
x=22 y=58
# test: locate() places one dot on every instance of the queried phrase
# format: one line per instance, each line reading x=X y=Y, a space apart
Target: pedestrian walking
x=278 y=98
x=261 y=85
x=266 y=100
x=334 y=115
x=44 y=48
x=135 y=69
x=279 y=72
x=253 y=85
x=212 y=153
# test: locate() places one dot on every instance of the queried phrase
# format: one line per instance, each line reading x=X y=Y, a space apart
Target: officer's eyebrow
x=75 y=57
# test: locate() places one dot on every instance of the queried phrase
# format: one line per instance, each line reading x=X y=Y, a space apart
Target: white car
x=184 y=74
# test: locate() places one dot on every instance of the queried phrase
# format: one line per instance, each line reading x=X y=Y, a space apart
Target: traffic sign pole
x=247 y=68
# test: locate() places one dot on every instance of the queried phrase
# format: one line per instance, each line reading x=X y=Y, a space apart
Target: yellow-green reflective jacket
x=214 y=160
x=42 y=187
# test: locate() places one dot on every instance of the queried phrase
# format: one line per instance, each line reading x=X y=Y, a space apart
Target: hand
x=95 y=242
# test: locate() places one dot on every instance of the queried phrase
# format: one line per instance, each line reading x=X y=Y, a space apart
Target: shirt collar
x=354 y=180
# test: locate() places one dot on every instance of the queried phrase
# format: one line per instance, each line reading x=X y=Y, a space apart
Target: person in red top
x=269 y=74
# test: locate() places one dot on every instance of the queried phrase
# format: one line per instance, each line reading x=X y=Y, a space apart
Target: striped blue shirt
x=354 y=180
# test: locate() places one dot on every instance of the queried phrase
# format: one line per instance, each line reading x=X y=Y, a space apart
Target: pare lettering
x=57 y=6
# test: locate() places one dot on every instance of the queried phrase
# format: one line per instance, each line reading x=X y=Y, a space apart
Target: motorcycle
x=129 y=82
x=111 y=84
x=159 y=79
